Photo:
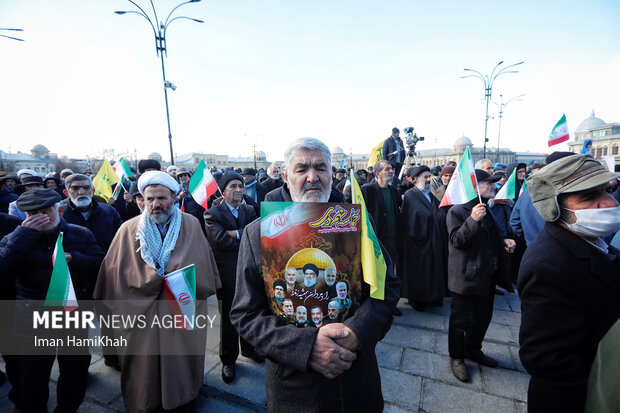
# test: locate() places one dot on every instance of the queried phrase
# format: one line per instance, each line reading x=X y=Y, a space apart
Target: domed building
x=40 y=160
x=605 y=138
x=155 y=156
x=441 y=156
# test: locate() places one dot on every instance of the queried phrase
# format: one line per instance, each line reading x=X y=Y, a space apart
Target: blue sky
x=268 y=72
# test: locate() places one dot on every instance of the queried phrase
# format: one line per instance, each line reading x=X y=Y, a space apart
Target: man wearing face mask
x=569 y=281
x=423 y=269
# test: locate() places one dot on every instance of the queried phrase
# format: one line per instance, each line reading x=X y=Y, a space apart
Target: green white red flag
x=60 y=291
x=180 y=291
x=559 y=133
x=202 y=185
x=122 y=170
x=461 y=186
x=509 y=190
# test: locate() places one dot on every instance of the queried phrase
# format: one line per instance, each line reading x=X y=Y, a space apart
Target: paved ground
x=415 y=371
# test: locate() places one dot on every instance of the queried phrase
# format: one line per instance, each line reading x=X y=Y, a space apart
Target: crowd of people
x=554 y=242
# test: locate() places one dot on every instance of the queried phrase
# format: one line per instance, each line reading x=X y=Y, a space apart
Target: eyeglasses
x=76 y=188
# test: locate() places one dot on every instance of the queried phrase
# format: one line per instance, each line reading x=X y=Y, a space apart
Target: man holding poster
x=311 y=369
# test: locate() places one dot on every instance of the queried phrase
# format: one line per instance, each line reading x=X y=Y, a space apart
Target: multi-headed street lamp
x=161 y=49
x=501 y=107
x=488 y=81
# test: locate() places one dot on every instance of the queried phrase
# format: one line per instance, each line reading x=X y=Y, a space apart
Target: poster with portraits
x=311 y=261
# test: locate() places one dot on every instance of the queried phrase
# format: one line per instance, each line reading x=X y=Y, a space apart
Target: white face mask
x=595 y=222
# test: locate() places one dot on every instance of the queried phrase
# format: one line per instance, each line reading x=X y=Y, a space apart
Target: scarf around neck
x=154 y=251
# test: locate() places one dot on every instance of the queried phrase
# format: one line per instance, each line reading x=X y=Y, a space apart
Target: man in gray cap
x=569 y=281
x=26 y=257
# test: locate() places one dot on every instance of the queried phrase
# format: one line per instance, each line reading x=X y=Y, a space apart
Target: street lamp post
x=161 y=49
x=488 y=81
x=502 y=106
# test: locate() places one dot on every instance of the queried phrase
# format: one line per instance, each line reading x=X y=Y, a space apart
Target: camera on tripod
x=412 y=140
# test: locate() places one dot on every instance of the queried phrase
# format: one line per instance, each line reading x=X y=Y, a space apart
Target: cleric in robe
x=422 y=268
x=145 y=249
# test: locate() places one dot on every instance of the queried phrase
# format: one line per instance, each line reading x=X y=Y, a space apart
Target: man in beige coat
x=157 y=373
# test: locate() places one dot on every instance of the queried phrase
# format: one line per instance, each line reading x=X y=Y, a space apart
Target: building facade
x=605 y=138
x=40 y=160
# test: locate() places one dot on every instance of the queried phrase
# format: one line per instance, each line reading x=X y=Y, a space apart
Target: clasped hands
x=334 y=350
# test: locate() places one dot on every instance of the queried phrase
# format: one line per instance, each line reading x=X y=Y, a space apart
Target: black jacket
x=272 y=184
x=292 y=386
x=103 y=221
x=218 y=220
x=376 y=208
x=570 y=298
x=26 y=256
x=476 y=257
x=282 y=194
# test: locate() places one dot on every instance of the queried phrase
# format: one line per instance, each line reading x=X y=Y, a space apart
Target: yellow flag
x=373 y=263
x=376 y=154
x=105 y=178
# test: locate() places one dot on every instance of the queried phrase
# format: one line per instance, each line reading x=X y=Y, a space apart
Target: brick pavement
x=413 y=359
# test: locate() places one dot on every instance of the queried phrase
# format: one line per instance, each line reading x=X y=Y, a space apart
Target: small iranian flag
x=180 y=290
x=461 y=186
x=122 y=170
x=509 y=190
x=275 y=220
x=559 y=133
x=60 y=291
x=202 y=185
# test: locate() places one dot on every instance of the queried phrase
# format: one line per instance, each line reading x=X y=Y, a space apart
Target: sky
x=267 y=72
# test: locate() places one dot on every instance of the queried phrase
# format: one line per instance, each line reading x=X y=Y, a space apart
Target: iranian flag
x=559 y=133
x=180 y=291
x=202 y=185
x=509 y=190
x=461 y=186
x=60 y=291
x=278 y=217
x=122 y=170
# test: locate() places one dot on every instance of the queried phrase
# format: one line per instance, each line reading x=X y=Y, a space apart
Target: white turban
x=27 y=171
x=157 y=178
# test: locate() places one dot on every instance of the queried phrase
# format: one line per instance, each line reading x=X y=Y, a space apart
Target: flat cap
x=572 y=173
x=32 y=180
x=341 y=171
x=38 y=198
x=183 y=170
x=248 y=171
x=482 y=176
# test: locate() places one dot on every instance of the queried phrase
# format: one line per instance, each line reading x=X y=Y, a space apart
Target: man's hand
x=127 y=197
x=478 y=212
x=327 y=357
x=350 y=342
x=36 y=222
x=182 y=194
x=509 y=245
x=68 y=257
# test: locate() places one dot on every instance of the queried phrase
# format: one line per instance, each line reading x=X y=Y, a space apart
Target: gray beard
x=82 y=203
x=159 y=219
x=424 y=188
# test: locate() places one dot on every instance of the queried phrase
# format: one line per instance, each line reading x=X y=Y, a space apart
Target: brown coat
x=152 y=381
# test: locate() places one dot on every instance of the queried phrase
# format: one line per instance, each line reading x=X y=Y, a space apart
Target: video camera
x=411 y=141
